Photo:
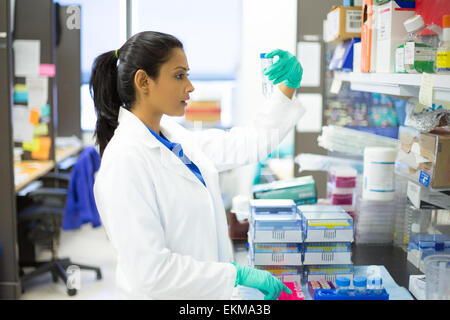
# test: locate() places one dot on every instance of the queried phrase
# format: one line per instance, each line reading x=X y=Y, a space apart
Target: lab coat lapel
x=169 y=159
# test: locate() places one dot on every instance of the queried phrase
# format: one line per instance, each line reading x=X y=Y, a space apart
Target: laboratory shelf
x=398 y=84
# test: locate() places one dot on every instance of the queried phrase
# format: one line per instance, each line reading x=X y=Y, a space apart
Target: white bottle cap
x=414 y=23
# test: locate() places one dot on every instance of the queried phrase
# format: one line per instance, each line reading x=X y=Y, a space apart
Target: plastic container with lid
x=420 y=46
x=340 y=196
x=321 y=225
x=443 y=52
x=343 y=177
x=342 y=285
x=327 y=253
x=269 y=254
x=437 y=272
x=378 y=181
x=360 y=284
x=275 y=228
x=272 y=207
x=374 y=279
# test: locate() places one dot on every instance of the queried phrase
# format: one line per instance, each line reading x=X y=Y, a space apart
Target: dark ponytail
x=112 y=79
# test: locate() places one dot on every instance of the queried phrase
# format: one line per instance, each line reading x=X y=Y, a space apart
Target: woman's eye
x=181 y=76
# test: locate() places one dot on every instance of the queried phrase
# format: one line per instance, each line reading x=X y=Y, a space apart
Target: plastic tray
x=331 y=294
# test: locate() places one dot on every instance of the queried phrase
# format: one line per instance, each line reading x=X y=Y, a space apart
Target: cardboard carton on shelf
x=391 y=31
x=425 y=157
x=343 y=23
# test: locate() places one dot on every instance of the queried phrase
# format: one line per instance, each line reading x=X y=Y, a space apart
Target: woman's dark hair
x=112 y=79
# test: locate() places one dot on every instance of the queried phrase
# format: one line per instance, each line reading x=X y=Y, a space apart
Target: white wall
x=266 y=25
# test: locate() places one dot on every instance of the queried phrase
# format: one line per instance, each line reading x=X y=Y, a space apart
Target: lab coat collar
x=171 y=130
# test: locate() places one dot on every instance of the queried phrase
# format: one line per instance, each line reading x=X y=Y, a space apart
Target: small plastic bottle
x=267 y=85
x=359 y=284
x=374 y=281
x=420 y=46
x=342 y=285
x=443 y=52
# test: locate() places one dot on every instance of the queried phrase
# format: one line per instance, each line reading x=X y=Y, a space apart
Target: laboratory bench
x=391 y=257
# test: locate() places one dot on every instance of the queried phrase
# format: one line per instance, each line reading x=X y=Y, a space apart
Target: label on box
x=424 y=178
x=384 y=30
x=353 y=21
x=399 y=60
x=409 y=52
x=413 y=194
x=443 y=61
x=423 y=53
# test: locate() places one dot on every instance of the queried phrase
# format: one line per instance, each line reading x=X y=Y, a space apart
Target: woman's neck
x=149 y=118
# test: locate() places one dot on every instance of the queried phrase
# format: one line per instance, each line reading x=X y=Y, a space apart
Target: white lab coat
x=169 y=232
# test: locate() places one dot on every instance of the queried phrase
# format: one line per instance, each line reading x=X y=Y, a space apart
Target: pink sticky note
x=47 y=70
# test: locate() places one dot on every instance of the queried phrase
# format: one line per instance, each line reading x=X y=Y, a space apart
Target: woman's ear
x=141 y=81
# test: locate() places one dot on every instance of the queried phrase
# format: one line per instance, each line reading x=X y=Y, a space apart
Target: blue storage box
x=281 y=254
x=275 y=228
x=326 y=253
x=326 y=224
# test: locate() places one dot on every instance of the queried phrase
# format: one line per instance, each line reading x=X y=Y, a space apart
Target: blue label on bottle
x=424 y=178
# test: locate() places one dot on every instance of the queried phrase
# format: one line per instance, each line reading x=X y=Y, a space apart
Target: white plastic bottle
x=420 y=46
x=267 y=85
x=378 y=181
x=374 y=279
x=443 y=52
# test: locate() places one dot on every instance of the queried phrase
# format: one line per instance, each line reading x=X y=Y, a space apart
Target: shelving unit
x=397 y=84
x=38 y=20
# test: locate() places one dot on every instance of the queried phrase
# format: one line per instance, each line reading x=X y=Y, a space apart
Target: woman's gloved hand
x=262 y=280
x=287 y=69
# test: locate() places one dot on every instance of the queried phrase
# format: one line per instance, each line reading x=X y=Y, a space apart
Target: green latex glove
x=262 y=280
x=287 y=69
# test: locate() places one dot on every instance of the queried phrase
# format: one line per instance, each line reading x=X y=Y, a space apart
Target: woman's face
x=170 y=91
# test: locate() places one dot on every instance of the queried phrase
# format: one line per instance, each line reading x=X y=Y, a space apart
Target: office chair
x=40 y=217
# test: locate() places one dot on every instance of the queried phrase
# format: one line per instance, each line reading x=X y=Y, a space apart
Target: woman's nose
x=190 y=87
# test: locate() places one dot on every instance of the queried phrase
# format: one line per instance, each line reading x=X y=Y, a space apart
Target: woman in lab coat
x=157 y=189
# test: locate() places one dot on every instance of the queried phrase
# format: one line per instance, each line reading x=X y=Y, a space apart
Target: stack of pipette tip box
x=326 y=248
x=275 y=238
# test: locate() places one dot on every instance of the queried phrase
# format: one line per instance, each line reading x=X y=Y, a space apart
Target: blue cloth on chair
x=80 y=203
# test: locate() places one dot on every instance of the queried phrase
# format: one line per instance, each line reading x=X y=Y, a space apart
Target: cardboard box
x=302 y=190
x=368 y=36
x=207 y=111
x=425 y=156
x=343 y=55
x=390 y=33
x=343 y=23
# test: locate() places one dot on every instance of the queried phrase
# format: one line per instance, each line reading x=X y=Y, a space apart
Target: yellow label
x=328 y=248
x=443 y=59
x=329 y=270
x=328 y=224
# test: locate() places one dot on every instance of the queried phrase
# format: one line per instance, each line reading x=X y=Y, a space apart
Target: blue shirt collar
x=161 y=138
